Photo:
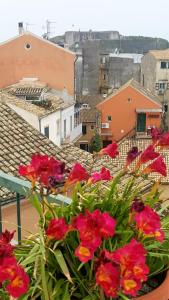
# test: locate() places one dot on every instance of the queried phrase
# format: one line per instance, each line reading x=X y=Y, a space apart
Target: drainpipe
x=76 y=58
x=40 y=125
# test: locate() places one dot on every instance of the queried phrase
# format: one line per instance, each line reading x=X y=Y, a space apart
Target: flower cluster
x=125 y=269
x=47 y=171
x=10 y=272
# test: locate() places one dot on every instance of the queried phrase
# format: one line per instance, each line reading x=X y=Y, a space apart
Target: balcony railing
x=19 y=189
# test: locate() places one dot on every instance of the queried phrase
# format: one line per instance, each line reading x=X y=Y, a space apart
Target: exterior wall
x=121 y=70
x=27 y=116
x=148 y=72
x=46 y=61
x=65 y=115
x=162 y=75
x=86 y=138
x=51 y=121
x=122 y=109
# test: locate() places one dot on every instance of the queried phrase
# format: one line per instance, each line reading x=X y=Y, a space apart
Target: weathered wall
x=121 y=70
x=91 y=67
x=148 y=72
x=46 y=61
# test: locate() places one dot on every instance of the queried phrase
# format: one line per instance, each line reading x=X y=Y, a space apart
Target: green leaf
x=62 y=263
x=66 y=295
x=36 y=203
x=44 y=281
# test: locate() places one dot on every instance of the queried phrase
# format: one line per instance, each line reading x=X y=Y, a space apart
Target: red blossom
x=84 y=253
x=148 y=222
x=57 y=229
x=164 y=140
x=148 y=154
x=6 y=237
x=42 y=168
x=132 y=155
x=107 y=277
x=19 y=284
x=107 y=225
x=78 y=173
x=130 y=285
x=104 y=174
x=8 y=268
x=111 y=150
x=155 y=134
x=6 y=249
x=157 y=166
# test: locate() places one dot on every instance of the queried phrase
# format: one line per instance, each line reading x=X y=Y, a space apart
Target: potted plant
x=108 y=243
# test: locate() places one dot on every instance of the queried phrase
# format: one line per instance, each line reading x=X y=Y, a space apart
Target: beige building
x=155 y=74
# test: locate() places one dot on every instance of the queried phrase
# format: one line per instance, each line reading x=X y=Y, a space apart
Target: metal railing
x=19 y=189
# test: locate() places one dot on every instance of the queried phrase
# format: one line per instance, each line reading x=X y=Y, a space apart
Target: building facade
x=29 y=56
x=129 y=111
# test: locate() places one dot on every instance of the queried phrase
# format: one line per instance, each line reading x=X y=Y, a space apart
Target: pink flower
x=19 y=284
x=78 y=173
x=148 y=222
x=130 y=285
x=57 y=229
x=155 y=134
x=157 y=166
x=103 y=175
x=107 y=225
x=110 y=150
x=148 y=154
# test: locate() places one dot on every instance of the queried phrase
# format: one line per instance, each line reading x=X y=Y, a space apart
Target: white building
x=52 y=116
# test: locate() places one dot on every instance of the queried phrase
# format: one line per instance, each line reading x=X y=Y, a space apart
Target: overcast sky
x=129 y=17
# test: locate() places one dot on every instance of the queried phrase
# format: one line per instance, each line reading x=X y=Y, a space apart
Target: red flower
x=132 y=155
x=6 y=249
x=164 y=140
x=107 y=277
x=8 y=268
x=78 y=173
x=110 y=150
x=130 y=285
x=148 y=222
x=155 y=134
x=18 y=279
x=157 y=166
x=84 y=253
x=19 y=284
x=57 y=229
x=107 y=225
x=103 y=175
x=148 y=154
x=42 y=168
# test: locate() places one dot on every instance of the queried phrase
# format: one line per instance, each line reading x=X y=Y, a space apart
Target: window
x=157 y=86
x=84 y=129
x=104 y=76
x=92 y=127
x=162 y=85
x=64 y=132
x=27 y=46
x=109 y=118
x=57 y=127
x=71 y=127
x=163 y=65
x=46 y=131
x=165 y=107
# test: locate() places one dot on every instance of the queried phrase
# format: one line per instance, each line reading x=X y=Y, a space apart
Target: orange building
x=130 y=110
x=29 y=56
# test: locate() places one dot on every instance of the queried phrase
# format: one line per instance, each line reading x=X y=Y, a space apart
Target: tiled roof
x=19 y=140
x=137 y=86
x=160 y=54
x=90 y=114
x=55 y=104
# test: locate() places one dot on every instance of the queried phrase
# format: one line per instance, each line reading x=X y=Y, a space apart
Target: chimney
x=20 y=28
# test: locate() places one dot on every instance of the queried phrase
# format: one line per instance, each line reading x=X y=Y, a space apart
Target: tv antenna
x=48 y=32
x=28 y=25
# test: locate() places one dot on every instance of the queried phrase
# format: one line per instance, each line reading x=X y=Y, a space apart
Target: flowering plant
x=105 y=244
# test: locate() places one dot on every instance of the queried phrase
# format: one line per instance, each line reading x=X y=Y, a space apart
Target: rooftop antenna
x=48 y=29
x=28 y=24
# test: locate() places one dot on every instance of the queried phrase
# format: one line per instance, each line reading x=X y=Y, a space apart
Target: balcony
x=16 y=212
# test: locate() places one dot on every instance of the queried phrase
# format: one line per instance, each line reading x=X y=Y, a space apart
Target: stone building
x=155 y=76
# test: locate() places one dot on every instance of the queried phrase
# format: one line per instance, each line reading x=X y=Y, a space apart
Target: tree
x=96 y=143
